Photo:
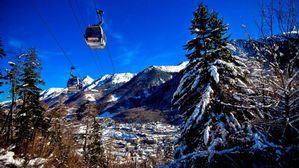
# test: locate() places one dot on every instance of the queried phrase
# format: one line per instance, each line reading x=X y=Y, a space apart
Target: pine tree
x=2 y=52
x=30 y=117
x=168 y=150
x=211 y=94
x=62 y=144
x=2 y=115
x=95 y=152
x=56 y=130
x=12 y=78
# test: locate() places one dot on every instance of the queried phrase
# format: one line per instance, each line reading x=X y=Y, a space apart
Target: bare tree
x=279 y=50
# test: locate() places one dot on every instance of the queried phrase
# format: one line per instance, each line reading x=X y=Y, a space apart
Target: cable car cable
x=107 y=47
x=51 y=33
x=94 y=5
x=81 y=29
x=110 y=58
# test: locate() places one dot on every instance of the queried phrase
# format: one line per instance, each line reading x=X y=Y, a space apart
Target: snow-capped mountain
x=51 y=96
x=108 y=80
x=52 y=92
x=176 y=68
x=123 y=93
x=140 y=88
x=87 y=81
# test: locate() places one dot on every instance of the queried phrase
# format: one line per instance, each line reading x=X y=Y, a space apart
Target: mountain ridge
x=119 y=93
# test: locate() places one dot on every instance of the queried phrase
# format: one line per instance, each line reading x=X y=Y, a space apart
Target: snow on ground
x=176 y=68
x=118 y=135
x=36 y=162
x=113 y=98
x=81 y=129
x=7 y=158
x=70 y=112
x=90 y=97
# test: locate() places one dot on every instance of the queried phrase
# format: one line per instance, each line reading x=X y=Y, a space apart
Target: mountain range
x=142 y=97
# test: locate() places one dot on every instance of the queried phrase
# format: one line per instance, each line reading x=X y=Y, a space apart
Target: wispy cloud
x=45 y=54
x=119 y=37
x=15 y=43
x=128 y=54
x=57 y=53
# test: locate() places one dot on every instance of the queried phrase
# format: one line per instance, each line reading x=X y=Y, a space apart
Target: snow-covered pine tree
x=29 y=118
x=211 y=95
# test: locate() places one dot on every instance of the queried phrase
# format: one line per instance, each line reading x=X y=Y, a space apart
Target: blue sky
x=140 y=33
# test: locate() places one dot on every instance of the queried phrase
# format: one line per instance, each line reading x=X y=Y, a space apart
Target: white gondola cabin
x=74 y=84
x=94 y=34
x=95 y=37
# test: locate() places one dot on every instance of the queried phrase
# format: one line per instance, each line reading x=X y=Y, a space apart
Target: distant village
x=135 y=142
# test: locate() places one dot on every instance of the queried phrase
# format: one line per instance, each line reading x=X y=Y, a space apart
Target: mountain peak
x=121 y=77
x=172 y=68
x=51 y=92
x=87 y=80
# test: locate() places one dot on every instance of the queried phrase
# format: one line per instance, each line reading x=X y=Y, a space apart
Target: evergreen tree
x=56 y=131
x=95 y=152
x=2 y=115
x=12 y=80
x=12 y=77
x=168 y=150
x=29 y=118
x=2 y=52
x=211 y=95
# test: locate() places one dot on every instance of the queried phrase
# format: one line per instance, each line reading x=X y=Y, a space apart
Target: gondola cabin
x=95 y=37
x=74 y=85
